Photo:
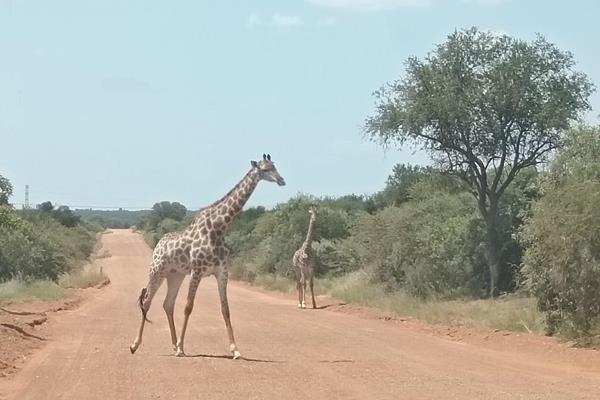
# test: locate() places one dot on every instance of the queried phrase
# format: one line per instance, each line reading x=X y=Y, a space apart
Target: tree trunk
x=492 y=253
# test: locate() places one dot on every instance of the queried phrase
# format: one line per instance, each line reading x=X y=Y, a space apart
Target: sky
x=114 y=103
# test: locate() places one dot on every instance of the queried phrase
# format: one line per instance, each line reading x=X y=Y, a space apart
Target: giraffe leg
x=304 y=293
x=299 y=285
x=194 y=282
x=174 y=281
x=312 y=293
x=222 y=278
x=146 y=297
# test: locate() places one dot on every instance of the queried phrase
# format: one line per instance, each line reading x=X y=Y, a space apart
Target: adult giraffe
x=200 y=250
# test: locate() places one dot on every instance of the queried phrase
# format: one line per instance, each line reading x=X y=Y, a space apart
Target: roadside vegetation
x=43 y=251
x=481 y=237
x=112 y=219
x=164 y=217
x=501 y=230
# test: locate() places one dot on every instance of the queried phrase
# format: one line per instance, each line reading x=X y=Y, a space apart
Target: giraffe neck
x=309 y=233
x=223 y=211
x=242 y=192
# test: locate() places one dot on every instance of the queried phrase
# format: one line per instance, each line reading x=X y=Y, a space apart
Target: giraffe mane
x=202 y=209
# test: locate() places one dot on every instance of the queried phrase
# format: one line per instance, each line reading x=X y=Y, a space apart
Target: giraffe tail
x=141 y=303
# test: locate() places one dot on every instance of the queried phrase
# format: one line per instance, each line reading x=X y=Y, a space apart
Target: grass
x=85 y=277
x=285 y=285
x=511 y=313
x=19 y=291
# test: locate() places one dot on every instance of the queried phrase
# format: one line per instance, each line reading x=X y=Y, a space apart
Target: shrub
x=562 y=260
x=36 y=246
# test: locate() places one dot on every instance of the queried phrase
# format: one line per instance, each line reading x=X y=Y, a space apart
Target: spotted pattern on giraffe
x=200 y=250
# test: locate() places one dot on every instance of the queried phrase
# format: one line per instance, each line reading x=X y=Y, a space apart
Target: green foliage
x=166 y=209
x=399 y=183
x=9 y=219
x=562 y=260
x=165 y=217
x=62 y=214
x=117 y=219
x=46 y=206
x=35 y=245
x=265 y=242
x=430 y=245
x=430 y=248
x=485 y=106
x=6 y=190
x=66 y=217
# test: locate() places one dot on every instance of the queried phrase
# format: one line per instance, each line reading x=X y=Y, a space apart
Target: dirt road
x=289 y=353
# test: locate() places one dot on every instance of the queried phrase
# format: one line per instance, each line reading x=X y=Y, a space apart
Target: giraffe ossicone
x=200 y=250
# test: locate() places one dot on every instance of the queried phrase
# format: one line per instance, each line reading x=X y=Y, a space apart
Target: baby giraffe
x=200 y=251
x=304 y=264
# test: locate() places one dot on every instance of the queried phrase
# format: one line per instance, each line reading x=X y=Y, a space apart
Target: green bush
x=264 y=242
x=562 y=259
x=428 y=248
x=37 y=246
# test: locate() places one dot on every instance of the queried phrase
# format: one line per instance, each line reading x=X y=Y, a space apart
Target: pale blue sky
x=125 y=103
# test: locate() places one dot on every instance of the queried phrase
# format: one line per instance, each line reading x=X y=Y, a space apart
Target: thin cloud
x=286 y=21
x=369 y=5
x=253 y=20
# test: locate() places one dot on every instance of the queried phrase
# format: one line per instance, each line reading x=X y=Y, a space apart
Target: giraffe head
x=312 y=211
x=267 y=171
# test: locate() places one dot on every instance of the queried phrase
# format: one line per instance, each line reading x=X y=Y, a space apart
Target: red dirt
x=339 y=352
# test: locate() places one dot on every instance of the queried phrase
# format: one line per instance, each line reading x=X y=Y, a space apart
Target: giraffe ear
x=254 y=163
x=264 y=156
x=269 y=157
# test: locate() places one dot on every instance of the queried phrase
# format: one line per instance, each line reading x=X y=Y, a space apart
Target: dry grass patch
x=18 y=291
x=88 y=276
x=22 y=291
x=512 y=313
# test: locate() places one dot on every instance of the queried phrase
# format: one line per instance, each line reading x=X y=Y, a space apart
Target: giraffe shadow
x=336 y=361
x=326 y=306
x=228 y=357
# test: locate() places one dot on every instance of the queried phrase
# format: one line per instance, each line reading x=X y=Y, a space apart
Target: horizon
x=110 y=105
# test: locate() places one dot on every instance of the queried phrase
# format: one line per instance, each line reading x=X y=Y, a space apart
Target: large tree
x=166 y=209
x=484 y=106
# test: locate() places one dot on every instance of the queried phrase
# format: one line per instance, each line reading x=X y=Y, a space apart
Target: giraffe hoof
x=236 y=355
x=179 y=353
x=299 y=305
x=132 y=349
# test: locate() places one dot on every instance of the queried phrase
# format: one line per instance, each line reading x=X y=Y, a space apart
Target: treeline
x=489 y=110
x=115 y=219
x=164 y=217
x=423 y=235
x=43 y=243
